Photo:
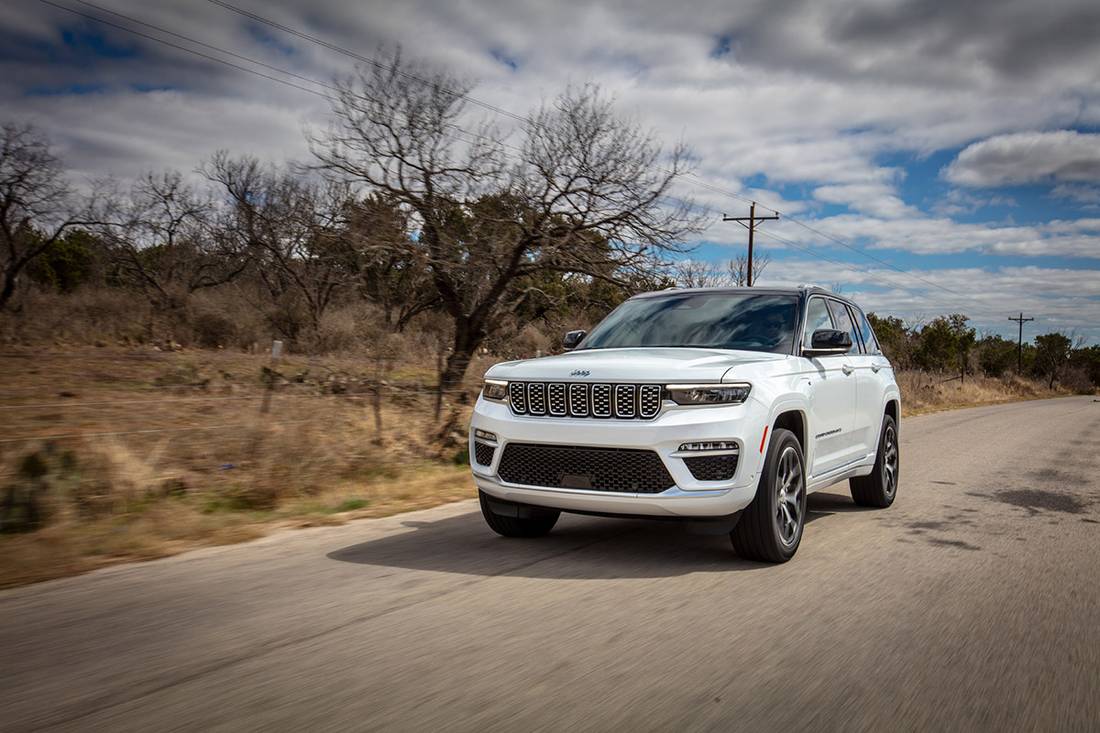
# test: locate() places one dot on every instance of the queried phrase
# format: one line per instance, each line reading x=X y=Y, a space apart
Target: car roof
x=801 y=290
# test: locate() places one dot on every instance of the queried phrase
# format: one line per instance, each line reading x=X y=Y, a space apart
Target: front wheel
x=516 y=520
x=879 y=488
x=770 y=528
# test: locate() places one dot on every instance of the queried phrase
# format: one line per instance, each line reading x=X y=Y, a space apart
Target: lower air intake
x=573 y=467
x=712 y=468
x=483 y=453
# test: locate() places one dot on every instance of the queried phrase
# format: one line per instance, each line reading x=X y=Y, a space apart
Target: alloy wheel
x=890 y=460
x=790 y=489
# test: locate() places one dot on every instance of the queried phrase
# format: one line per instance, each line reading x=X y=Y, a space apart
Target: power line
x=197 y=42
x=840 y=263
x=697 y=181
x=870 y=256
x=1020 y=343
x=365 y=59
x=847 y=265
x=526 y=120
x=191 y=50
x=752 y=219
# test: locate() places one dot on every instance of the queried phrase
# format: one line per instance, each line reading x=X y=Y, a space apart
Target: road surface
x=972 y=604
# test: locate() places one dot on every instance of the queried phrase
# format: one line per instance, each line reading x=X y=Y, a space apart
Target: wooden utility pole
x=1020 y=342
x=749 y=222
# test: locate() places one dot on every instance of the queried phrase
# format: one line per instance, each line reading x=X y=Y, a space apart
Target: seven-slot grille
x=575 y=399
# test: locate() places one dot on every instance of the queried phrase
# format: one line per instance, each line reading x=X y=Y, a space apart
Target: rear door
x=872 y=378
x=858 y=368
x=832 y=398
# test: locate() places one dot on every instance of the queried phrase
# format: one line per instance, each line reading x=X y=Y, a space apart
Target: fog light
x=710 y=445
x=485 y=435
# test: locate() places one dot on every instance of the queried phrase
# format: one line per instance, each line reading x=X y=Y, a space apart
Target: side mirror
x=572 y=339
x=828 y=341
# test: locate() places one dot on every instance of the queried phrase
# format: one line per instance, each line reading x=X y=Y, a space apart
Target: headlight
x=495 y=390
x=709 y=394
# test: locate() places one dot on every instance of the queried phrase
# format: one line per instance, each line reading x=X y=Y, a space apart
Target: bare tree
x=697 y=274
x=587 y=192
x=738 y=267
x=37 y=205
x=163 y=240
x=389 y=270
x=731 y=273
x=292 y=227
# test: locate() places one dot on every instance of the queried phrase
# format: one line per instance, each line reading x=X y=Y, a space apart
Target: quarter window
x=844 y=323
x=870 y=343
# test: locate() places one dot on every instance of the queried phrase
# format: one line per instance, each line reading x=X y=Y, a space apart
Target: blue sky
x=960 y=143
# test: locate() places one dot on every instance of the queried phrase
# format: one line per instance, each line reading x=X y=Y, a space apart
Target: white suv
x=721 y=406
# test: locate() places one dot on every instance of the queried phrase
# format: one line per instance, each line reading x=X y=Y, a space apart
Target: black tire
x=880 y=487
x=764 y=531
x=516 y=520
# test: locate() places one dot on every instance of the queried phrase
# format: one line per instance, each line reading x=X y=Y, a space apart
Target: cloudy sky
x=945 y=156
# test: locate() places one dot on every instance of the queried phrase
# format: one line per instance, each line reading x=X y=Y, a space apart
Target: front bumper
x=663 y=435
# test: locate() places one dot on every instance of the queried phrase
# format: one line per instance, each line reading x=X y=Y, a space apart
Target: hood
x=631 y=365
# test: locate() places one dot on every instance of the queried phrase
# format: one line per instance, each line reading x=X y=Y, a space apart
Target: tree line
x=401 y=205
x=408 y=206
x=950 y=345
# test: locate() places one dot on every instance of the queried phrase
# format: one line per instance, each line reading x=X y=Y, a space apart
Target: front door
x=832 y=399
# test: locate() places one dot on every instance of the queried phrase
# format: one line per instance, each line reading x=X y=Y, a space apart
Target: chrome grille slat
x=517 y=397
x=536 y=398
x=601 y=400
x=580 y=399
x=555 y=399
x=649 y=400
x=625 y=395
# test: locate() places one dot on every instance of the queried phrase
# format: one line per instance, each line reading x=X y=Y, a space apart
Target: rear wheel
x=516 y=520
x=880 y=487
x=770 y=528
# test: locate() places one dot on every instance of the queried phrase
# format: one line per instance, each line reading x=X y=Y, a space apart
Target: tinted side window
x=869 y=341
x=817 y=317
x=844 y=323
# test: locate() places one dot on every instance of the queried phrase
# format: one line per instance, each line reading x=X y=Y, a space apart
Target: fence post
x=376 y=398
x=269 y=376
x=438 y=381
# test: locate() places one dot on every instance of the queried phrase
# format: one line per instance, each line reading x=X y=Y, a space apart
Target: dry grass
x=173 y=525
x=143 y=453
x=924 y=392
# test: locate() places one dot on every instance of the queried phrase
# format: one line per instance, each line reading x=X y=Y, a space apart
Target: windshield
x=703 y=320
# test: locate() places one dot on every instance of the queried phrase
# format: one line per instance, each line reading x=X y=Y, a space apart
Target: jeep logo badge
x=579 y=373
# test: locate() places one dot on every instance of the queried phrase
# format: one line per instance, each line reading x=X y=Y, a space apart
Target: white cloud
x=808 y=100
x=940 y=235
x=874 y=199
x=956 y=201
x=1087 y=196
x=1028 y=157
x=1060 y=299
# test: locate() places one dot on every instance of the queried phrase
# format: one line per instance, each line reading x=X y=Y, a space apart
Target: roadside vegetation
x=142 y=411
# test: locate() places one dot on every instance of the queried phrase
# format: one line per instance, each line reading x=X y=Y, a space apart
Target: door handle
x=847 y=368
x=875 y=368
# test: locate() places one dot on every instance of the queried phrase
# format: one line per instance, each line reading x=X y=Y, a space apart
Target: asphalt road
x=972 y=604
